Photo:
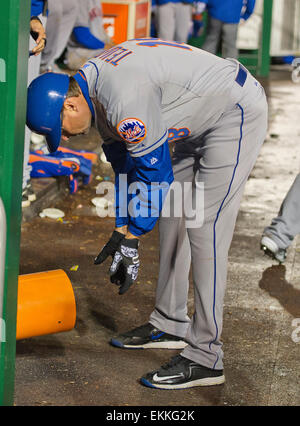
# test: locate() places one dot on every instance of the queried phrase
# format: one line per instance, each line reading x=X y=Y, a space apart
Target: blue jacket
x=84 y=37
x=230 y=11
x=37 y=7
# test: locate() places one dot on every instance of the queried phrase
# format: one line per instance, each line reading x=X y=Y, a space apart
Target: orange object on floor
x=46 y=304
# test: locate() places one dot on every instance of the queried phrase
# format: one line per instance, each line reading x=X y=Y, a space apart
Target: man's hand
x=110 y=248
x=125 y=265
x=38 y=32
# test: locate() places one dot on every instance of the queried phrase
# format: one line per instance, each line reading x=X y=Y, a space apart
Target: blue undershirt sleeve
x=152 y=176
x=85 y=37
x=141 y=185
x=37 y=7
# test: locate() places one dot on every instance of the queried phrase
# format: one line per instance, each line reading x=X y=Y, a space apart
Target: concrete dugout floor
x=261 y=358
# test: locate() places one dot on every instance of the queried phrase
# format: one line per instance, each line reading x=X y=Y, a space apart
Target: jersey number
x=154 y=42
x=176 y=134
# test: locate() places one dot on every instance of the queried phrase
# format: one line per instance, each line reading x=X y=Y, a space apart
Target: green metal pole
x=264 y=51
x=14 y=34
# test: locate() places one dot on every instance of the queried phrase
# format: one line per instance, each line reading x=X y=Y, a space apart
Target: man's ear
x=70 y=104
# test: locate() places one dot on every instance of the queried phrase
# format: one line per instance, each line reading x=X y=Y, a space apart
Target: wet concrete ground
x=262 y=304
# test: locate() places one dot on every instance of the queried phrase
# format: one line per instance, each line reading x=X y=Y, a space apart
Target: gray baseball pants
x=286 y=225
x=173 y=21
x=218 y=31
x=61 y=20
x=222 y=160
x=33 y=72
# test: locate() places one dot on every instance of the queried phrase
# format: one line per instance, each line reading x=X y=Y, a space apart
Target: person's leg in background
x=33 y=71
x=60 y=23
x=278 y=236
x=183 y=16
x=54 y=22
x=229 y=40
x=213 y=35
x=166 y=21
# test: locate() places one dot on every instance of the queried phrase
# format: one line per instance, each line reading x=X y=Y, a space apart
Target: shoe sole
x=180 y=344
x=270 y=248
x=208 y=381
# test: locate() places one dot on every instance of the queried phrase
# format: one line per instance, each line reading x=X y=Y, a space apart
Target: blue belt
x=241 y=76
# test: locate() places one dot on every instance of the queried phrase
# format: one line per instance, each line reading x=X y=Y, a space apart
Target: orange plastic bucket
x=46 y=304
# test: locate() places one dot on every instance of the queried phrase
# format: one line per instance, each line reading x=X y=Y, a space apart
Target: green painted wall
x=14 y=35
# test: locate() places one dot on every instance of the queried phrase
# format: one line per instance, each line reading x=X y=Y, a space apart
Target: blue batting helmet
x=45 y=99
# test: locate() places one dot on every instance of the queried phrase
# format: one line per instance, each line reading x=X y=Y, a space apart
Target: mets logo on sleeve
x=132 y=130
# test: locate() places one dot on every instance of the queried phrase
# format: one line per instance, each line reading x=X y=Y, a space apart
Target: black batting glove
x=110 y=248
x=125 y=264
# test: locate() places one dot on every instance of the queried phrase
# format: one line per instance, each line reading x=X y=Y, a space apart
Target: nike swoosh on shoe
x=158 y=379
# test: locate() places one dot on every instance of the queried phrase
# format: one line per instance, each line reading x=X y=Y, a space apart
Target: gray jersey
x=146 y=91
x=90 y=15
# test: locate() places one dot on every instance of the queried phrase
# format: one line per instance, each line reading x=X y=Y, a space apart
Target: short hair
x=74 y=88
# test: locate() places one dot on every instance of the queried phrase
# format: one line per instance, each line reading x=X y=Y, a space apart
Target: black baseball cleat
x=148 y=337
x=182 y=373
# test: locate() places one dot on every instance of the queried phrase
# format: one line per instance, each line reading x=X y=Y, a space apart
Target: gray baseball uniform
x=286 y=225
x=148 y=91
x=33 y=71
x=89 y=15
x=60 y=23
